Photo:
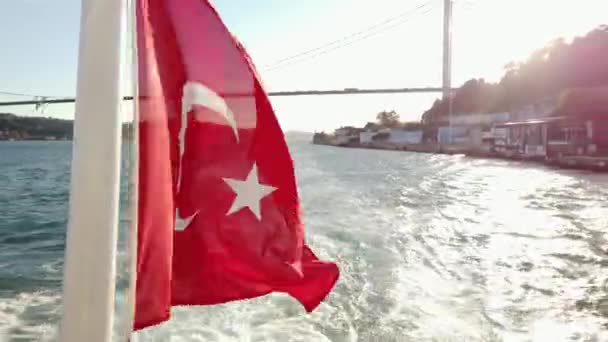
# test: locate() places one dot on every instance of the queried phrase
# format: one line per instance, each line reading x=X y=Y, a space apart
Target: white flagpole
x=89 y=270
x=134 y=185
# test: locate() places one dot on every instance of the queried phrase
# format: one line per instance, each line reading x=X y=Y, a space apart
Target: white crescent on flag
x=195 y=93
x=183 y=223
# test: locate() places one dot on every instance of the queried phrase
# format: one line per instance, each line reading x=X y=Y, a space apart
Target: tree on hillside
x=411 y=126
x=587 y=101
x=371 y=126
x=435 y=114
x=548 y=71
x=388 y=119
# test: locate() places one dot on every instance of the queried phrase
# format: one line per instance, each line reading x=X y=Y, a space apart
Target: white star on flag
x=249 y=193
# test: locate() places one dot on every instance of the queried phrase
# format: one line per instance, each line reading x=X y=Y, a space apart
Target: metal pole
x=90 y=266
x=130 y=293
x=447 y=47
x=447 y=59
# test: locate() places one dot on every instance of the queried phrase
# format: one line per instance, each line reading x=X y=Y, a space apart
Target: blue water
x=34 y=189
x=431 y=248
x=34 y=178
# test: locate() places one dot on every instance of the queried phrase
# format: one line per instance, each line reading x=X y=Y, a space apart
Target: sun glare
x=489 y=34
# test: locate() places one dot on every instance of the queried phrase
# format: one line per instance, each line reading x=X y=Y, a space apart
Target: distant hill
x=560 y=69
x=14 y=127
x=34 y=128
x=46 y=128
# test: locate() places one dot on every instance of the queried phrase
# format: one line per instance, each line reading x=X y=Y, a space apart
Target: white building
x=346 y=135
x=480 y=119
x=472 y=129
x=366 y=137
x=403 y=137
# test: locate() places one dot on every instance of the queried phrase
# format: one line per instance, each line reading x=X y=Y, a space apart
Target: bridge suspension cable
x=346 y=91
x=347 y=40
x=323 y=49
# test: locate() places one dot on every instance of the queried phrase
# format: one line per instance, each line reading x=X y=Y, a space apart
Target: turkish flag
x=219 y=215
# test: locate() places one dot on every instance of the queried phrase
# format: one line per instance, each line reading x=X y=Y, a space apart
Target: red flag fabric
x=219 y=215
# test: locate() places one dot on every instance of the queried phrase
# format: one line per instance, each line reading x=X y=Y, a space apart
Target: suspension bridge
x=446 y=88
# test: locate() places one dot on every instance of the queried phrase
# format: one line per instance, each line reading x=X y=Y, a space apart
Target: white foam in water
x=18 y=321
x=430 y=248
x=272 y=318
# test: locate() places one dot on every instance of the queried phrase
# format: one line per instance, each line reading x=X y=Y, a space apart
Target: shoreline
x=18 y=140
x=582 y=162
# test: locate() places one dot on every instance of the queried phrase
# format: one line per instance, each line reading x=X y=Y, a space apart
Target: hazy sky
x=40 y=42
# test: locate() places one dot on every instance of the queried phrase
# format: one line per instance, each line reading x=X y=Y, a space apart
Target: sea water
x=430 y=247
